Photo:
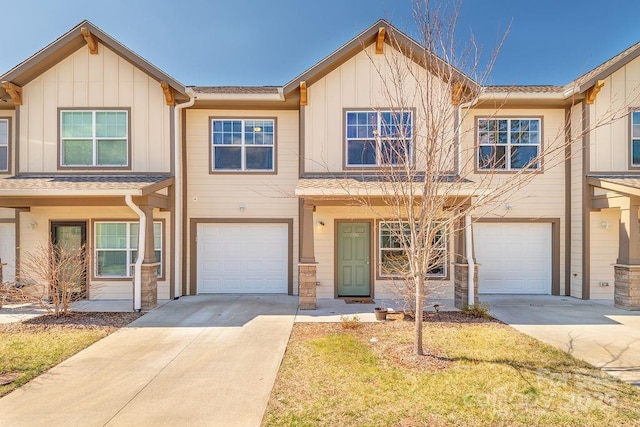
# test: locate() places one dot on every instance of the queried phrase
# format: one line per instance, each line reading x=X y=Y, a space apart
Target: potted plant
x=381 y=312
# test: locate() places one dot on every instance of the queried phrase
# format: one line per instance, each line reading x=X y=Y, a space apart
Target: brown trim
x=172 y=140
x=476 y=145
x=172 y=246
x=567 y=201
x=301 y=141
x=16 y=214
x=432 y=279
x=59 y=165
x=9 y=145
x=193 y=239
x=630 y=136
x=372 y=274
x=95 y=278
x=185 y=224
x=374 y=168
x=17 y=140
x=586 y=202
x=289 y=104
x=244 y=172
x=555 y=243
x=83 y=224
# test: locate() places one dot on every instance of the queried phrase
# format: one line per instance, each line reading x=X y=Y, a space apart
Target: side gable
x=69 y=43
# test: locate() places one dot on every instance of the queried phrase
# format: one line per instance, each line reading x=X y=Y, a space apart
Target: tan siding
x=577 y=177
x=94 y=81
x=32 y=239
x=263 y=195
x=325 y=254
x=604 y=252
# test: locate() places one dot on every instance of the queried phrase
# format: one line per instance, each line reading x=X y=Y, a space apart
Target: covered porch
x=622 y=193
x=74 y=207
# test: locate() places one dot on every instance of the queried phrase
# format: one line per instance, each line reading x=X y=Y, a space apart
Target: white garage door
x=8 y=251
x=513 y=258
x=242 y=258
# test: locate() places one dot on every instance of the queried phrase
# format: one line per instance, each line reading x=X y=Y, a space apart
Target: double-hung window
x=393 y=260
x=94 y=138
x=635 y=138
x=508 y=144
x=116 y=248
x=378 y=138
x=4 y=145
x=243 y=145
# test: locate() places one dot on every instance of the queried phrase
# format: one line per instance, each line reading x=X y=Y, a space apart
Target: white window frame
x=377 y=138
x=633 y=139
x=128 y=249
x=243 y=145
x=4 y=143
x=508 y=145
x=443 y=248
x=94 y=139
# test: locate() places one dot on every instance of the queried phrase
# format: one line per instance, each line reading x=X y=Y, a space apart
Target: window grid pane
x=378 y=138
x=4 y=145
x=243 y=145
x=635 y=138
x=508 y=144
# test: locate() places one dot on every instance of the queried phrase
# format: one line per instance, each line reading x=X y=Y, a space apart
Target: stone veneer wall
x=307 y=286
x=461 y=287
x=627 y=287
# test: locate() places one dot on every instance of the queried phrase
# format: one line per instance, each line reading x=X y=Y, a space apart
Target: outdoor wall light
x=320 y=224
x=508 y=206
x=242 y=207
x=605 y=225
x=33 y=225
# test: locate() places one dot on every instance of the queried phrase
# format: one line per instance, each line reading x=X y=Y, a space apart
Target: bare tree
x=55 y=276
x=429 y=181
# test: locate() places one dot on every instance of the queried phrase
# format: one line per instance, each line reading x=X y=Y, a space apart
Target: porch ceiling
x=623 y=184
x=345 y=186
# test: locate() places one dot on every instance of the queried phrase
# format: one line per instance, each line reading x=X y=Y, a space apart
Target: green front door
x=354 y=263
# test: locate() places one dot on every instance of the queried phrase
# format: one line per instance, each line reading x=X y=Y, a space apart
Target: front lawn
x=32 y=347
x=478 y=373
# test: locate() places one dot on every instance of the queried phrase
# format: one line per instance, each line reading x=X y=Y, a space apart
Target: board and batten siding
x=220 y=195
x=604 y=252
x=577 y=180
x=609 y=116
x=359 y=84
x=32 y=239
x=97 y=81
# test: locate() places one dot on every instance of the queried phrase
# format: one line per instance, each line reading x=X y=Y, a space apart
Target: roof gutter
x=177 y=191
x=275 y=97
x=142 y=239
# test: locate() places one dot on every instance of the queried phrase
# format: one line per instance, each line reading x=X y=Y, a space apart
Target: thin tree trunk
x=418 y=317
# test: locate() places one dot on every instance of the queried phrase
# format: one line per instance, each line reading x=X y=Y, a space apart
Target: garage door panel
x=513 y=257
x=242 y=258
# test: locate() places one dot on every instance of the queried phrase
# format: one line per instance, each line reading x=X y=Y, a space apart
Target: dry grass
x=32 y=347
x=476 y=373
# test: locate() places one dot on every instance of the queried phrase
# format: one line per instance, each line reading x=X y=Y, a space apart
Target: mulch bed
x=75 y=320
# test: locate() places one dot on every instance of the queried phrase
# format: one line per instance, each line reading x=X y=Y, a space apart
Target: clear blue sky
x=269 y=42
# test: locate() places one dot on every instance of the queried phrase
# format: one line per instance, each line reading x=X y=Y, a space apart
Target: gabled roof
x=70 y=42
x=605 y=69
x=393 y=37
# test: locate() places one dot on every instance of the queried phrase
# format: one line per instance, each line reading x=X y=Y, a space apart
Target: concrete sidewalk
x=201 y=360
x=596 y=332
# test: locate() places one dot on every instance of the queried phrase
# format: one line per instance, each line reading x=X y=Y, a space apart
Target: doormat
x=359 y=301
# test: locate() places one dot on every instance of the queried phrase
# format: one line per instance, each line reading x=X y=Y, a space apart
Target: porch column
x=149 y=298
x=307 y=268
x=627 y=268
x=461 y=268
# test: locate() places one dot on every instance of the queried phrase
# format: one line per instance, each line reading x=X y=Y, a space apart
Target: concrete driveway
x=201 y=360
x=593 y=331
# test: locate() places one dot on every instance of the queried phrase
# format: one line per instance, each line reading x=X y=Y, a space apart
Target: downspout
x=472 y=267
x=142 y=238
x=177 y=190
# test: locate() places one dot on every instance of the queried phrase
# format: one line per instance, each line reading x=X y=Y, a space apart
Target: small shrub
x=476 y=310
x=350 y=322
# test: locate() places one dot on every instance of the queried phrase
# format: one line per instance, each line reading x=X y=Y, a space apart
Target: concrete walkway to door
x=594 y=331
x=201 y=360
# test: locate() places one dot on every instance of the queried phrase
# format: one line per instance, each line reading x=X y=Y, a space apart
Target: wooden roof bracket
x=168 y=93
x=303 y=94
x=92 y=41
x=380 y=41
x=14 y=91
x=592 y=92
x=457 y=90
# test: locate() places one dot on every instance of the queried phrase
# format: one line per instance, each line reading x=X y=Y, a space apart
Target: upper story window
x=243 y=145
x=508 y=144
x=395 y=236
x=4 y=145
x=116 y=248
x=94 y=138
x=378 y=138
x=635 y=138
